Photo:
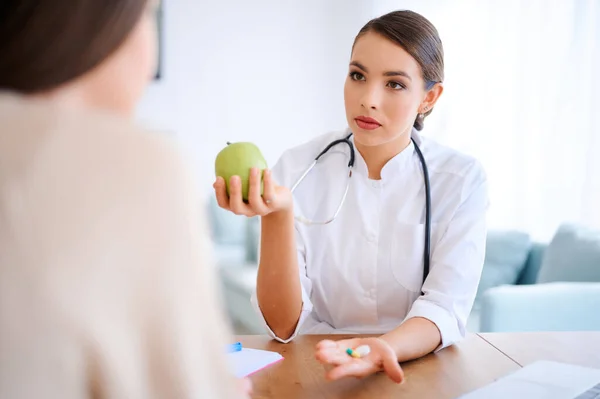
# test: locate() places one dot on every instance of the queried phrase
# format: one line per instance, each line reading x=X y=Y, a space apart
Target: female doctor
x=364 y=271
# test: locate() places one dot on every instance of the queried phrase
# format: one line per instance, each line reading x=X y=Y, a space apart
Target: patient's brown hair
x=45 y=43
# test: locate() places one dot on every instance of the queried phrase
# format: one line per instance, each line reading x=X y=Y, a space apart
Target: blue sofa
x=525 y=285
x=557 y=288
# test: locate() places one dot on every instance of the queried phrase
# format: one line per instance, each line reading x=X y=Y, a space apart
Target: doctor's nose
x=371 y=99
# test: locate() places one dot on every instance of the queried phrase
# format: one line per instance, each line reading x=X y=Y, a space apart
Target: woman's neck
x=88 y=93
x=376 y=157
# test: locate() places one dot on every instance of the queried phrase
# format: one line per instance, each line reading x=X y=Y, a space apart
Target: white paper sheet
x=541 y=380
x=249 y=361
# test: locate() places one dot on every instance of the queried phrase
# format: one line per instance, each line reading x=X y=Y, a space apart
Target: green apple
x=236 y=160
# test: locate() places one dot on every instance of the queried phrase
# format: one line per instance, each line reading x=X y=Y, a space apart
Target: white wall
x=267 y=71
x=272 y=72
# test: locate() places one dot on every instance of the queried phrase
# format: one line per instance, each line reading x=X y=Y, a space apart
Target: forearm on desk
x=278 y=290
x=414 y=338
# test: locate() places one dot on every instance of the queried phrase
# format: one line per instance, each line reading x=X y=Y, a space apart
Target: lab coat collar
x=395 y=165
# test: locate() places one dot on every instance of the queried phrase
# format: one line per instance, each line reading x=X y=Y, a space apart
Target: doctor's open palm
x=380 y=358
x=275 y=198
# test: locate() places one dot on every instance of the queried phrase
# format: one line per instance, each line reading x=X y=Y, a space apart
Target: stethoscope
x=347 y=141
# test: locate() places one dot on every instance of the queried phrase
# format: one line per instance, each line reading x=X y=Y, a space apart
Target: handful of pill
x=359 y=352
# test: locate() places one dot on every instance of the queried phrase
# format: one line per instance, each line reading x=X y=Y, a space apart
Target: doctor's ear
x=431 y=97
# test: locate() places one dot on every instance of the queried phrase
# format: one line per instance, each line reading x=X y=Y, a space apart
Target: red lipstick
x=367 y=123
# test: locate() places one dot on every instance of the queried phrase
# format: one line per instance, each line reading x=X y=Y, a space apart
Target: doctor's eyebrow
x=389 y=73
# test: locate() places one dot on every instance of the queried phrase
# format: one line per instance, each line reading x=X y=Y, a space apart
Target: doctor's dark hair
x=415 y=34
x=46 y=43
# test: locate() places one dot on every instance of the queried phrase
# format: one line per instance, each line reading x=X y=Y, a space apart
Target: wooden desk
x=448 y=374
x=581 y=348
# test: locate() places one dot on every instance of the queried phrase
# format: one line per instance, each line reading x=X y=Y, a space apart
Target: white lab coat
x=363 y=272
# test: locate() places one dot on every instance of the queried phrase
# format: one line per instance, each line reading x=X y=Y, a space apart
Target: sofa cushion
x=558 y=306
x=532 y=264
x=506 y=254
x=572 y=255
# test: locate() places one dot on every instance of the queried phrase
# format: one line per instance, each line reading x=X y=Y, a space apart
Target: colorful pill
x=352 y=353
x=362 y=350
x=359 y=352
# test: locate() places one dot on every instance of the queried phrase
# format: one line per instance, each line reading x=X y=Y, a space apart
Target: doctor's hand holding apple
x=244 y=184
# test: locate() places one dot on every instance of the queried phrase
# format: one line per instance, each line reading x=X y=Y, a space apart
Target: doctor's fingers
x=257 y=204
x=388 y=357
x=334 y=352
x=332 y=355
x=221 y=193
x=358 y=369
x=269 y=188
x=392 y=368
x=236 y=202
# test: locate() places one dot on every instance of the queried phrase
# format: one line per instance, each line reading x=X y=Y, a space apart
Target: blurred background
x=522 y=94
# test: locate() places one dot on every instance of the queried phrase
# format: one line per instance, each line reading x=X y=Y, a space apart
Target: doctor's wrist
x=280 y=215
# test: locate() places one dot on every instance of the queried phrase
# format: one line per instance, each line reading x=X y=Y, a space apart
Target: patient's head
x=93 y=53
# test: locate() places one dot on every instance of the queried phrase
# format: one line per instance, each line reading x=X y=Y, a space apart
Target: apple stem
x=229 y=142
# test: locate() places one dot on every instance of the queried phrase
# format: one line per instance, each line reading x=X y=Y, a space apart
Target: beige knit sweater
x=107 y=288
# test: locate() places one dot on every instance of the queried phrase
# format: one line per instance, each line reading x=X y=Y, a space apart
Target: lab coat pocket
x=407 y=260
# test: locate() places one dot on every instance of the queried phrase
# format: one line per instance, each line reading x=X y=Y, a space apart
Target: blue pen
x=235 y=347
